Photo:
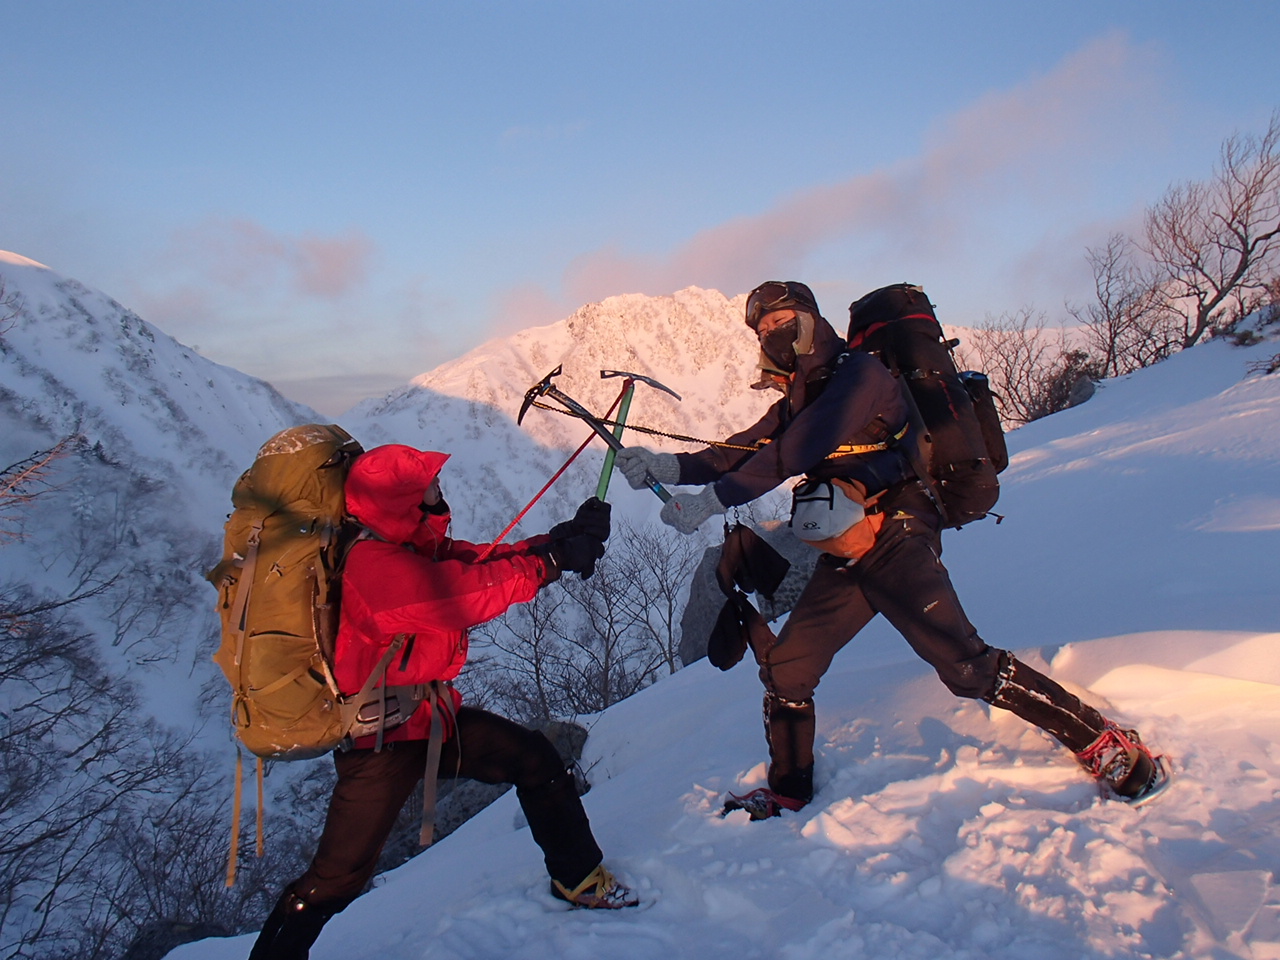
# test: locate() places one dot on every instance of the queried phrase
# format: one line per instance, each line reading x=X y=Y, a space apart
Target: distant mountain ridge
x=165 y=432
x=693 y=341
x=161 y=434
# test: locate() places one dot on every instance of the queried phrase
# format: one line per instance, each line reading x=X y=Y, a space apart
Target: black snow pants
x=903 y=578
x=373 y=786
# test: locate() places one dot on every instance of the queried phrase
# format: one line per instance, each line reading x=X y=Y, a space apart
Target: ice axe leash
x=628 y=392
x=545 y=388
x=484 y=554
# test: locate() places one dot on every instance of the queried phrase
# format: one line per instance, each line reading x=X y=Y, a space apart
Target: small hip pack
x=831 y=516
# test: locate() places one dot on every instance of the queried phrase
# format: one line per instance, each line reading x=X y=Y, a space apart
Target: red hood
x=385 y=486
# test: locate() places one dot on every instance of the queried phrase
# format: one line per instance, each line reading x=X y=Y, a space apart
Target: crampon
x=599 y=890
x=1124 y=767
x=760 y=804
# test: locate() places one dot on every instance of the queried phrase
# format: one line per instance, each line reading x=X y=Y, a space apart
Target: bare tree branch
x=1216 y=243
x=26 y=481
x=10 y=307
x=1032 y=371
x=1129 y=325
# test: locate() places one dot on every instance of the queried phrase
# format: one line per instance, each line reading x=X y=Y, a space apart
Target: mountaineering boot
x=1123 y=764
x=788 y=728
x=599 y=890
x=1029 y=694
x=290 y=929
x=761 y=803
x=1116 y=757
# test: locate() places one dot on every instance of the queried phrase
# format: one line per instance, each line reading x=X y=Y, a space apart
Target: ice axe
x=629 y=391
x=545 y=388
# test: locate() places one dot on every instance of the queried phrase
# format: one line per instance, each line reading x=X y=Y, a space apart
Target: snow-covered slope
x=162 y=434
x=1142 y=509
x=77 y=361
x=1137 y=561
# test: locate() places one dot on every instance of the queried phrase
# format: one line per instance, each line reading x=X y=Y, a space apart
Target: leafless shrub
x=1032 y=371
x=24 y=482
x=1129 y=325
x=10 y=307
x=583 y=645
x=611 y=657
x=1215 y=243
x=525 y=675
x=661 y=563
x=111 y=827
x=74 y=754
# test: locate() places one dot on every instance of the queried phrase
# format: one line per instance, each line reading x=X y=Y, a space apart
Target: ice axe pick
x=545 y=388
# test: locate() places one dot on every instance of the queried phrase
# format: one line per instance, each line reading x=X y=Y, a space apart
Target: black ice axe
x=545 y=388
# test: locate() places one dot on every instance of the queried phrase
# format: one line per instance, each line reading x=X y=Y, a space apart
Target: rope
x=843 y=450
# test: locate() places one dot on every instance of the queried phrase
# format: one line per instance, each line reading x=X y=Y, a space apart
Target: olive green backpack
x=278 y=585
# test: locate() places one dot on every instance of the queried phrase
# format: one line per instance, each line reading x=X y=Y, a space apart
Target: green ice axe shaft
x=606 y=473
x=628 y=391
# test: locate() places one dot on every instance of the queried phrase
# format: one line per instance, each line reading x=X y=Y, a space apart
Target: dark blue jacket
x=835 y=398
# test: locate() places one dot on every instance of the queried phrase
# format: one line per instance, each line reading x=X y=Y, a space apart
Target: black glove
x=591 y=519
x=577 y=553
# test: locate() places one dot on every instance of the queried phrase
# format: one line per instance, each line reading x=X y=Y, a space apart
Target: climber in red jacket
x=406 y=581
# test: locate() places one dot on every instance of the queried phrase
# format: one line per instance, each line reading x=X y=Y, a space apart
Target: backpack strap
x=262 y=840
x=233 y=855
x=435 y=744
x=849 y=449
x=911 y=450
x=351 y=707
x=247 y=568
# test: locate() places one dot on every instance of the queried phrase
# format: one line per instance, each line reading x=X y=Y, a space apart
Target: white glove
x=633 y=462
x=688 y=511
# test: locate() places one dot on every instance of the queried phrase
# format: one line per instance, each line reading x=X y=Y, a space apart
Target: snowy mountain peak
x=18 y=260
x=76 y=362
x=693 y=341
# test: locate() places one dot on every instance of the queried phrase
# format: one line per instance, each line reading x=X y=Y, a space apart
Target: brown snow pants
x=902 y=578
x=373 y=786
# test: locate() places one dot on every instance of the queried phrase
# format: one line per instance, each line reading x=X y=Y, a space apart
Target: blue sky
x=338 y=196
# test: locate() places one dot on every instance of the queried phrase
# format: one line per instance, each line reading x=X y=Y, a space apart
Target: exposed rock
x=1081 y=390
x=706 y=599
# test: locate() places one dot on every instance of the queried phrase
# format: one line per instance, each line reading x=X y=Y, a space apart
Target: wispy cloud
x=528 y=305
x=243 y=257
x=252 y=297
x=1022 y=144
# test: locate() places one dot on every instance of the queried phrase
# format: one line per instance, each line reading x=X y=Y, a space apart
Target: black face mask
x=779 y=344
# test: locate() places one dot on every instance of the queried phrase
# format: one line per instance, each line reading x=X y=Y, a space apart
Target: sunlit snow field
x=1137 y=562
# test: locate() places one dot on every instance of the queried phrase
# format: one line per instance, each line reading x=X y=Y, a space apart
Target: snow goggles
x=778 y=295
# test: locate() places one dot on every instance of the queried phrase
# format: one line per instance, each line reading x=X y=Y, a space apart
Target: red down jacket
x=415 y=580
